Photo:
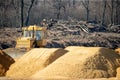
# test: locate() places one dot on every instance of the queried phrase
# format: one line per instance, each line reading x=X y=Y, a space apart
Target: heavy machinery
x=32 y=36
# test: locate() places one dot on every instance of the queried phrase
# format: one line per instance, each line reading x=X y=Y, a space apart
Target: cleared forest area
x=96 y=16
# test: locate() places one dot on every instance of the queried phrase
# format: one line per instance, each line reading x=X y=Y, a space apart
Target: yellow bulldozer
x=32 y=36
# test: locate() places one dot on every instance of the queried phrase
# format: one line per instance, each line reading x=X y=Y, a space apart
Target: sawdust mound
x=83 y=62
x=33 y=61
x=117 y=50
x=118 y=72
x=5 y=62
x=72 y=48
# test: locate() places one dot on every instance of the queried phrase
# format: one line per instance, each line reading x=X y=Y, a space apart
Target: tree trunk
x=87 y=14
x=65 y=15
x=28 y=13
x=104 y=10
x=73 y=3
x=112 y=21
x=86 y=6
x=117 y=12
x=59 y=8
x=22 y=16
x=58 y=14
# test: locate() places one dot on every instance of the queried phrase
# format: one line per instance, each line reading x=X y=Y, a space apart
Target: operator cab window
x=26 y=33
x=38 y=34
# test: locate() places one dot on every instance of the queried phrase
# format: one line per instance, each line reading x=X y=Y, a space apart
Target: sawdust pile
x=5 y=62
x=83 y=62
x=117 y=50
x=118 y=69
x=33 y=61
x=118 y=72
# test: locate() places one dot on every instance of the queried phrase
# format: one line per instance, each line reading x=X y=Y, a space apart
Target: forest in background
x=17 y=13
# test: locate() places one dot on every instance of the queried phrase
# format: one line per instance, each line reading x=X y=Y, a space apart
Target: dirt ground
x=61 y=34
x=61 y=39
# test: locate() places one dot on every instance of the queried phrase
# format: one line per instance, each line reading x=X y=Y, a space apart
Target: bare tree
x=74 y=3
x=28 y=13
x=57 y=5
x=112 y=7
x=22 y=14
x=117 y=12
x=104 y=9
x=86 y=6
x=59 y=8
x=16 y=6
x=5 y=6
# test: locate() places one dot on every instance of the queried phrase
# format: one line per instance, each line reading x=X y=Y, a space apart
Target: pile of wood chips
x=34 y=61
x=83 y=62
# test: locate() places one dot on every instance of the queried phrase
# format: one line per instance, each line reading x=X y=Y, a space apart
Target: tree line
x=17 y=13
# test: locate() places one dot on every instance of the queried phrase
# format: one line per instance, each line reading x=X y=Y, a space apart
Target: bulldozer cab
x=32 y=36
